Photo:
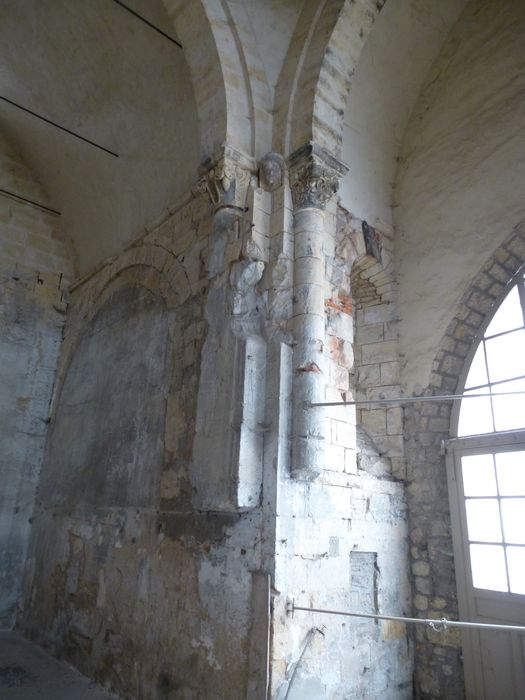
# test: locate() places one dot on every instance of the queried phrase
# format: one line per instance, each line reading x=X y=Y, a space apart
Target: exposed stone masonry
x=187 y=488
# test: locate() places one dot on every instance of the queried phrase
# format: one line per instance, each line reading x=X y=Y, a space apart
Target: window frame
x=476 y=603
x=519 y=280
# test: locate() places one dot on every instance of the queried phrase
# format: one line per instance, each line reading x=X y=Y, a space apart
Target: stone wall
x=34 y=273
x=455 y=201
x=427 y=428
x=341 y=539
x=131 y=579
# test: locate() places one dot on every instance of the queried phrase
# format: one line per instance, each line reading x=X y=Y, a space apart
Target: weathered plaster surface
x=34 y=272
x=384 y=89
x=458 y=190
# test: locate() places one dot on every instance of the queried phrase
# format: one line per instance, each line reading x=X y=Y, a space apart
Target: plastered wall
x=458 y=191
x=34 y=273
x=383 y=92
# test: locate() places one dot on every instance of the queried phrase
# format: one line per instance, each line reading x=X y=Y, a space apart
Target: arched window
x=498 y=369
x=486 y=478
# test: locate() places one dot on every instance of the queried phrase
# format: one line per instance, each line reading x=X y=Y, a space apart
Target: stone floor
x=28 y=673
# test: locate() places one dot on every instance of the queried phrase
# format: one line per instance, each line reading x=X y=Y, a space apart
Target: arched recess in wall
x=376 y=358
x=113 y=457
x=145 y=265
x=315 y=79
x=106 y=435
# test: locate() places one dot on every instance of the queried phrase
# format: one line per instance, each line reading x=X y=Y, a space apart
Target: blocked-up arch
x=149 y=266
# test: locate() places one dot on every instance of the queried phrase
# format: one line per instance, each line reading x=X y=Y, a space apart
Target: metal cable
x=414 y=399
x=19 y=198
x=58 y=126
x=437 y=625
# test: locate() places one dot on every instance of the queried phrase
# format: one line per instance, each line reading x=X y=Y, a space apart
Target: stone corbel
x=271 y=171
x=314 y=177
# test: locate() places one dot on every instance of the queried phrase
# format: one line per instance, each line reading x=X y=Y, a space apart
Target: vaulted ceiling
x=97 y=70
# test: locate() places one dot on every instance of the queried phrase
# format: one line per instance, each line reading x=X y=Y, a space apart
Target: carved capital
x=226 y=180
x=314 y=177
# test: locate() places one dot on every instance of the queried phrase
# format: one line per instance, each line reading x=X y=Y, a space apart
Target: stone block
x=350 y=461
x=370 y=333
x=374 y=421
x=339 y=377
x=423 y=585
x=392 y=445
x=390 y=373
x=394 y=421
x=368 y=375
x=399 y=468
x=374 y=353
x=335 y=458
x=439 y=425
x=343 y=434
x=420 y=602
x=380 y=314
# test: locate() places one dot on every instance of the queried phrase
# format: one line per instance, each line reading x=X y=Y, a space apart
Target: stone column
x=314 y=179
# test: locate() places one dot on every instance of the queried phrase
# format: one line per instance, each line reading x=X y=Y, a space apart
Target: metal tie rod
x=149 y=24
x=25 y=200
x=437 y=625
x=58 y=126
x=414 y=399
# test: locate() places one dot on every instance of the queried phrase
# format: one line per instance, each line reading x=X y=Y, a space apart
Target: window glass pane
x=506 y=356
x=478 y=475
x=516 y=565
x=513 y=516
x=488 y=567
x=509 y=411
x=511 y=473
x=478 y=370
x=475 y=415
x=483 y=520
x=508 y=316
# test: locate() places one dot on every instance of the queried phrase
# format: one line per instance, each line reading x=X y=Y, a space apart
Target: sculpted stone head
x=271 y=171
